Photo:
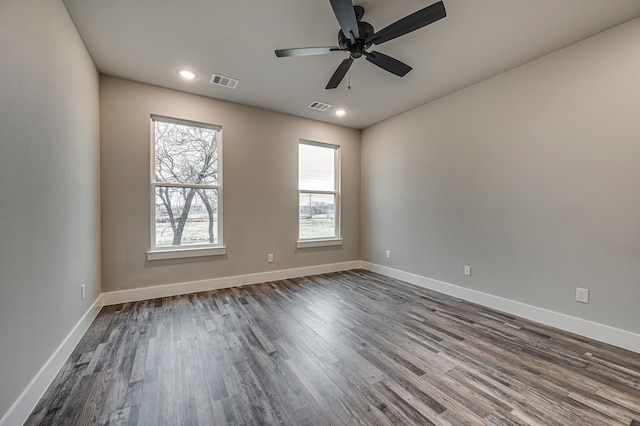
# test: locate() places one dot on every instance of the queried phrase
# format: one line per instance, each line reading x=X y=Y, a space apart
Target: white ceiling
x=148 y=40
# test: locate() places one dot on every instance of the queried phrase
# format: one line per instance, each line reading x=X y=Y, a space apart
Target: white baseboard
x=124 y=296
x=23 y=406
x=604 y=333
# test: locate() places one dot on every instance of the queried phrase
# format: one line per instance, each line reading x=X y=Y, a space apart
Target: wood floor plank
x=348 y=348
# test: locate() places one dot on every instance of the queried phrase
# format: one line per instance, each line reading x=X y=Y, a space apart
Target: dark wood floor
x=345 y=348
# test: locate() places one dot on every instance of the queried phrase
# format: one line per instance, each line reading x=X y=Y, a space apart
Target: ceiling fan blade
x=306 y=51
x=337 y=76
x=416 y=20
x=346 y=15
x=388 y=63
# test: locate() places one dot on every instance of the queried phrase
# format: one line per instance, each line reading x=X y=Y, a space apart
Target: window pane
x=186 y=216
x=317 y=216
x=316 y=168
x=185 y=154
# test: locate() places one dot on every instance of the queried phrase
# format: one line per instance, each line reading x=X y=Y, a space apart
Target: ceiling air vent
x=221 y=80
x=319 y=106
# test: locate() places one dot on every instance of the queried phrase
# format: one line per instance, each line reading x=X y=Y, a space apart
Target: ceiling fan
x=356 y=36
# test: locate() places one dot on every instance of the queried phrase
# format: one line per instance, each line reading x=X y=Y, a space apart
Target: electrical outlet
x=582 y=295
x=82 y=292
x=270 y=258
x=467 y=270
x=388 y=254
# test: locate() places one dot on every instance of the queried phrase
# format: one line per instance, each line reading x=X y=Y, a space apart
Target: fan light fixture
x=186 y=74
x=340 y=112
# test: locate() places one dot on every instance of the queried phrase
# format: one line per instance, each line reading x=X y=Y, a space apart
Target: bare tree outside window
x=186 y=182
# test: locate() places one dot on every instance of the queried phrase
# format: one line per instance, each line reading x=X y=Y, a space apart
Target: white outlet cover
x=467 y=270
x=582 y=295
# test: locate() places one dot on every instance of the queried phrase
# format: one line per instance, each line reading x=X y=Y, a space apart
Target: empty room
x=323 y=212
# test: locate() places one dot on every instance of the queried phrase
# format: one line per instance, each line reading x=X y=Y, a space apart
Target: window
x=319 y=194
x=186 y=189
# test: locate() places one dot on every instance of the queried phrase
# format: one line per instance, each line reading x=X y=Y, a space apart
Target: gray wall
x=531 y=177
x=260 y=187
x=49 y=191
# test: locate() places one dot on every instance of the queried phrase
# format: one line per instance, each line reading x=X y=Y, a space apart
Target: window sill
x=186 y=252
x=319 y=243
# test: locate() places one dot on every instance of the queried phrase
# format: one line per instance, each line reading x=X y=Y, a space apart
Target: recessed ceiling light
x=186 y=74
x=340 y=112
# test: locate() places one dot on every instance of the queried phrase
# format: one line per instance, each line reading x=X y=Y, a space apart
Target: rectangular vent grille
x=221 y=80
x=319 y=106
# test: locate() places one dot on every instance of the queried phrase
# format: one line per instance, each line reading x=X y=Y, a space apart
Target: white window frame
x=192 y=250
x=337 y=239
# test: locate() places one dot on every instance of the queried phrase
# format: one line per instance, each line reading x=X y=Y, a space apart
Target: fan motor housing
x=365 y=29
